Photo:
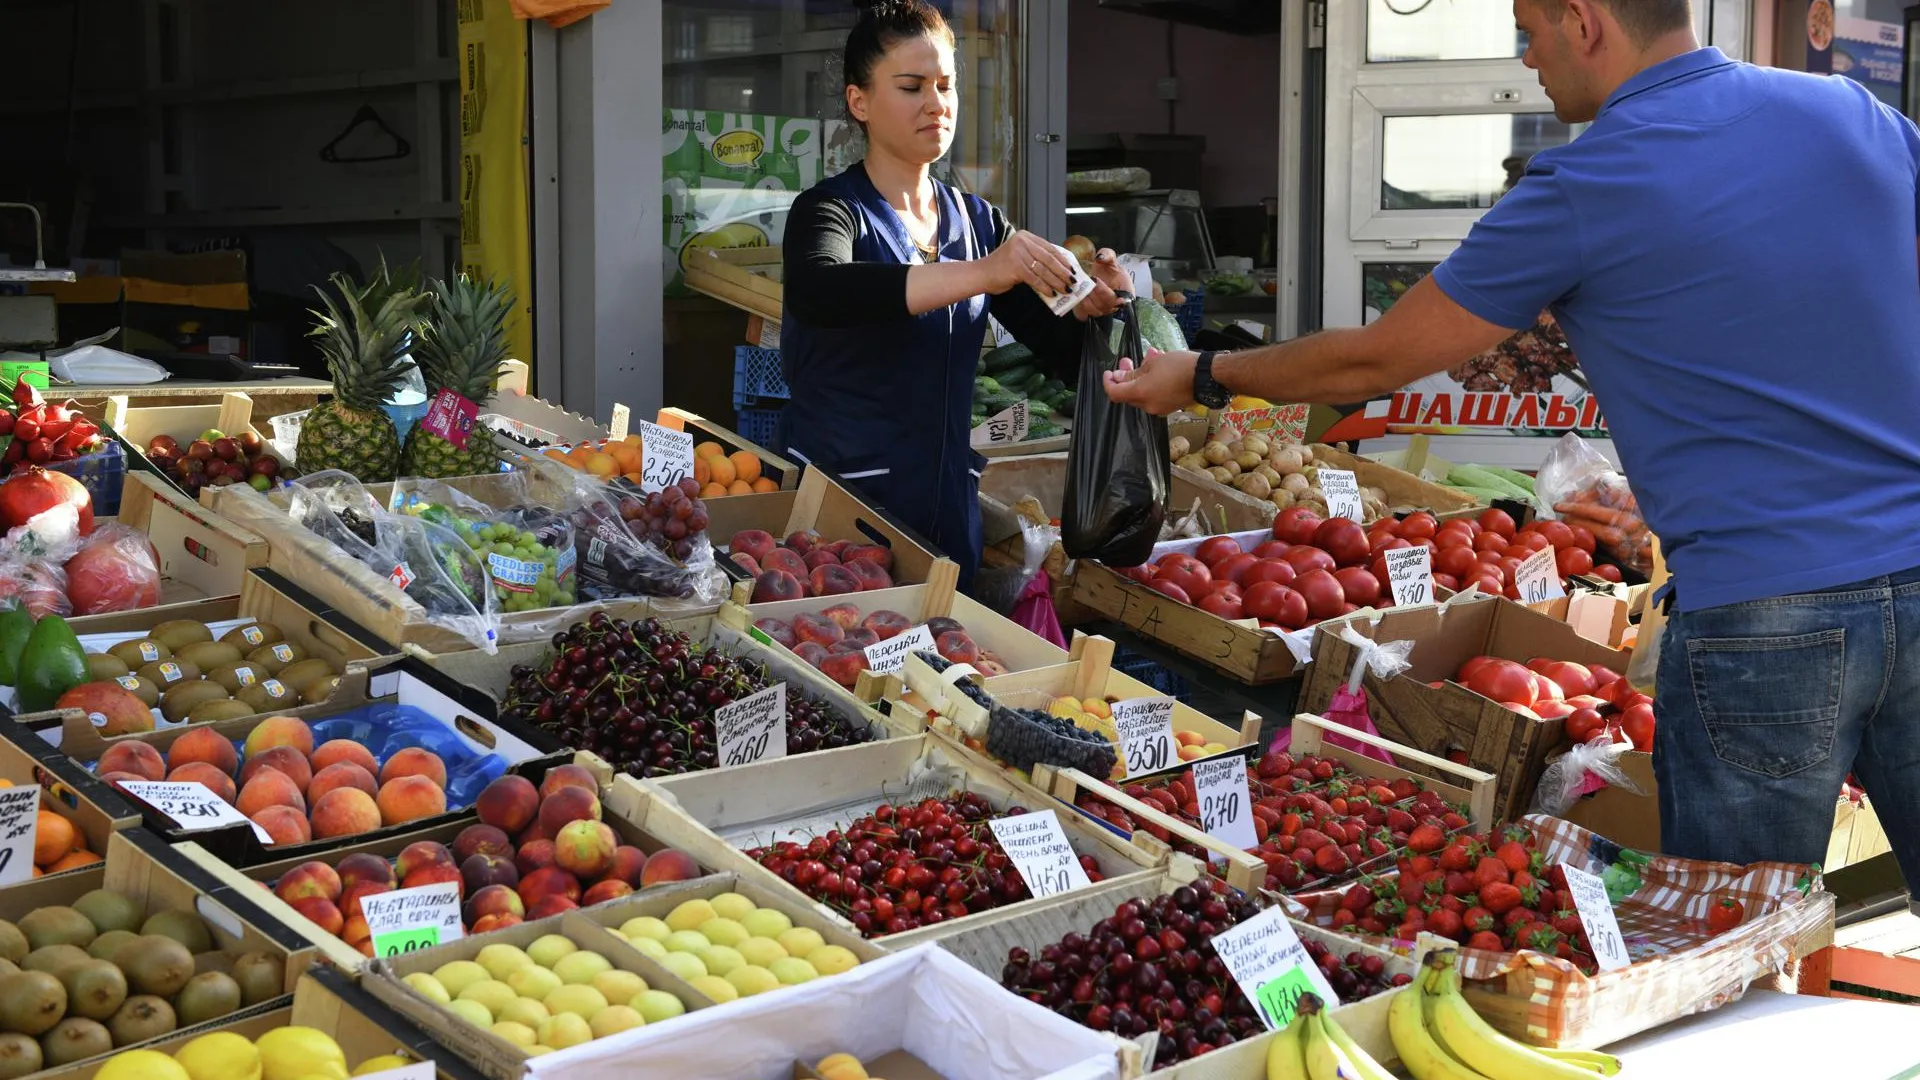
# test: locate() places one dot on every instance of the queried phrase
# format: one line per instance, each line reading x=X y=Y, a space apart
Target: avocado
x=51 y=664
x=16 y=625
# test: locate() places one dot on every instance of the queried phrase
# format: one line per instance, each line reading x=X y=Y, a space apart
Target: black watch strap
x=1207 y=390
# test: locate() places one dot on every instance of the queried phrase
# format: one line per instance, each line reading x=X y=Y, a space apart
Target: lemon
x=380 y=1064
x=142 y=1065
x=220 y=1056
x=300 y=1053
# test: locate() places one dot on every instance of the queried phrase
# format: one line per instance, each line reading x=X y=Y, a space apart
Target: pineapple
x=462 y=345
x=364 y=337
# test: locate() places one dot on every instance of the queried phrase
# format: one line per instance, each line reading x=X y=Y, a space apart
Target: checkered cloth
x=1679 y=968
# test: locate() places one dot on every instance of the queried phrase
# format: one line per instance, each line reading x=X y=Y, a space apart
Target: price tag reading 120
x=1342 y=491
x=1144 y=727
x=1040 y=852
x=1537 y=578
x=1226 y=806
x=666 y=456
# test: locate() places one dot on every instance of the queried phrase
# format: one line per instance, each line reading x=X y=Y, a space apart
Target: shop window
x=1454 y=162
x=1414 y=30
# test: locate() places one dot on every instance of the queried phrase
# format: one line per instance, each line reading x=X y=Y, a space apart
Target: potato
x=1176 y=298
x=1281 y=498
x=1257 y=444
x=1286 y=460
x=1377 y=494
x=1192 y=461
x=1232 y=467
x=1265 y=472
x=1179 y=447
x=1295 y=484
x=1248 y=460
x=1255 y=485
x=1220 y=473
x=1306 y=454
x=1216 y=453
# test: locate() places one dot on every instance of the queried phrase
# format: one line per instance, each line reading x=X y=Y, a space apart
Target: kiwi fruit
x=253 y=635
x=237 y=676
x=107 y=944
x=103 y=666
x=57 y=925
x=95 y=989
x=19 y=1056
x=156 y=965
x=179 y=633
x=213 y=960
x=142 y=1017
x=267 y=695
x=141 y=688
x=53 y=959
x=277 y=657
x=207 y=655
x=301 y=672
x=138 y=654
x=13 y=944
x=207 y=997
x=75 y=1039
x=8 y=967
x=31 y=1002
x=180 y=700
x=167 y=673
x=182 y=926
x=110 y=911
x=208 y=712
x=318 y=690
x=261 y=976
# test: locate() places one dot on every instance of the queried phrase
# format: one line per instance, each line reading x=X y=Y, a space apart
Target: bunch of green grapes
x=526 y=573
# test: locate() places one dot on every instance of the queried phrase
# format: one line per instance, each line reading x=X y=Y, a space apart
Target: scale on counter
x=30 y=323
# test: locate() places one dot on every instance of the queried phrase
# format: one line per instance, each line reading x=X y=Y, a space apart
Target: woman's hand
x=1027 y=259
x=1109 y=280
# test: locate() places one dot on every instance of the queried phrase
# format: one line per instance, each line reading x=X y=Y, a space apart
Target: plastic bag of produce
x=528 y=548
x=116 y=569
x=335 y=506
x=625 y=542
x=1583 y=770
x=1582 y=488
x=1118 y=472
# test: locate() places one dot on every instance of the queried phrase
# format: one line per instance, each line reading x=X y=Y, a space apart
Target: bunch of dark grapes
x=672 y=519
x=643 y=697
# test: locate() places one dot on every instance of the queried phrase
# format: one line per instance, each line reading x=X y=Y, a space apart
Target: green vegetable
x=1517 y=479
x=1159 y=328
x=1018 y=375
x=1044 y=429
x=1474 y=476
x=16 y=625
x=1004 y=357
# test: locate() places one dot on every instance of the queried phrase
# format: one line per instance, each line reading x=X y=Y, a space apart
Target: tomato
x=1588 y=701
x=1489 y=583
x=1546 y=689
x=1453 y=560
x=1558 y=533
x=1295 y=525
x=1446 y=581
x=1637 y=722
x=1273 y=602
x=1583 y=724
x=1278 y=571
x=1629 y=700
x=1390 y=526
x=1226 y=607
x=1379 y=539
x=1214 y=549
x=1359 y=585
x=1419 y=525
x=1607 y=572
x=1234 y=568
x=1168 y=588
x=1571 y=561
x=1531 y=541
x=1521 y=709
x=1307 y=557
x=1506 y=682
x=1189 y=573
x=1322 y=592
x=1272 y=549
x=1488 y=541
x=1572 y=678
x=1602 y=675
x=1221 y=585
x=1726 y=913
x=1342 y=539
x=1142 y=574
x=1495 y=520
x=1583 y=538
x=1467 y=669
x=1552 y=710
x=1452 y=534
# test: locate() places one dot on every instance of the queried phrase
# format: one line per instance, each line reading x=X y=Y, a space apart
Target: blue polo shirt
x=1731 y=251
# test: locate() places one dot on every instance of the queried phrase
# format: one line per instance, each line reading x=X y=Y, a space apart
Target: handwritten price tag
x=889 y=656
x=1226 y=806
x=753 y=728
x=1596 y=914
x=621 y=419
x=666 y=456
x=1266 y=958
x=1040 y=852
x=1145 y=729
x=1537 y=578
x=19 y=827
x=192 y=807
x=1410 y=572
x=1342 y=490
x=408 y=920
x=1007 y=426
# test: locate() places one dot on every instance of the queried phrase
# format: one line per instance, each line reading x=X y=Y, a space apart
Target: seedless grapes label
x=1264 y=955
x=1145 y=730
x=1039 y=850
x=753 y=728
x=408 y=920
x=1226 y=805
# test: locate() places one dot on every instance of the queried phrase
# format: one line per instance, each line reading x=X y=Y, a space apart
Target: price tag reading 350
x=1410 y=571
x=1040 y=852
x=19 y=828
x=1226 y=806
x=1596 y=914
x=1343 y=494
x=1144 y=727
x=1537 y=578
x=753 y=728
x=1264 y=955
x=666 y=456
x=408 y=920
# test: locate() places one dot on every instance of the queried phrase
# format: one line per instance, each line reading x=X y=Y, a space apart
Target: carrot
x=1604 y=514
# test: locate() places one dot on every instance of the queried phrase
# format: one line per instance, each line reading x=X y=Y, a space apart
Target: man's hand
x=1162 y=384
x=1108 y=281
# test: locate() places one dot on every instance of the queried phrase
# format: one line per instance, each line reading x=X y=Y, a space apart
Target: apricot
x=410 y=798
x=72 y=860
x=284 y=760
x=508 y=804
x=846 y=616
x=671 y=864
x=312 y=878
x=481 y=840
x=774 y=585
x=343 y=774
x=285 y=824
x=780 y=631
x=722 y=470
x=568 y=775
x=322 y=913
x=344 y=750
x=764 y=485
x=585 y=848
x=345 y=811
x=199 y=772
x=133 y=757
x=712 y=491
x=832 y=580
x=565 y=805
x=53 y=837
x=280 y=731
x=746 y=467
x=362 y=867
x=205 y=745
x=269 y=787
x=414 y=761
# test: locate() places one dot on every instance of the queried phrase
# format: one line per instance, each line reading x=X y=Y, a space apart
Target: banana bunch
x=1315 y=1047
x=1439 y=1037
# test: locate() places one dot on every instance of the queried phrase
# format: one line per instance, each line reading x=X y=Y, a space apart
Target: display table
x=1773 y=1034
x=272 y=397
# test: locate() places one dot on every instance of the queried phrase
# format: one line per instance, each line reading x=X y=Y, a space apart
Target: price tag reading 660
x=753 y=728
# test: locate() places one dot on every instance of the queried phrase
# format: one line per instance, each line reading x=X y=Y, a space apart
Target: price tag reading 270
x=1040 y=852
x=666 y=456
x=753 y=728
x=1144 y=727
x=1226 y=805
x=408 y=920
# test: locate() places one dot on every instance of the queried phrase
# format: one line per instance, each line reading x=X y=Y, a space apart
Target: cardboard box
x=821 y=504
x=202 y=555
x=96 y=815
x=785 y=473
x=1452 y=718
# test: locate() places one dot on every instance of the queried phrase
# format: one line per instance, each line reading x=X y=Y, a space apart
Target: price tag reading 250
x=1040 y=852
x=1144 y=727
x=666 y=456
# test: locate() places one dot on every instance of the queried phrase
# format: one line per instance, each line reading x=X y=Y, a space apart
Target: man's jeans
x=1764 y=707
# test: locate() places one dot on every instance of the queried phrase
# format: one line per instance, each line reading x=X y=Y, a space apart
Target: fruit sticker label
x=283 y=653
x=408 y=920
x=1342 y=490
x=1040 y=852
x=131 y=682
x=1226 y=805
x=419 y=1070
x=276 y=689
x=666 y=456
x=889 y=656
x=1266 y=958
x=622 y=418
x=19 y=828
x=191 y=807
x=1537 y=578
x=1010 y=425
x=245 y=675
x=517 y=575
x=401 y=575
x=1410 y=572
x=253 y=635
x=451 y=417
x=753 y=728
x=170 y=673
x=1145 y=729
x=149 y=652
x=1596 y=915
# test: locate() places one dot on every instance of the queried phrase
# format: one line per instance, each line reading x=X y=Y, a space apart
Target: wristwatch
x=1207 y=389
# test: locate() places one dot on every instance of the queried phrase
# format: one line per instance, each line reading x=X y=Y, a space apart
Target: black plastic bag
x=1118 y=471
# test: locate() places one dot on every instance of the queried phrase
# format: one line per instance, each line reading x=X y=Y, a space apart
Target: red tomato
x=1322 y=592
x=1227 y=607
x=1489 y=583
x=1558 y=533
x=1467 y=669
x=1506 y=682
x=1214 y=549
x=1573 y=678
x=1419 y=525
x=1521 y=709
x=1342 y=539
x=1457 y=561
x=1221 y=585
x=1378 y=540
x=1278 y=571
x=1446 y=581
x=1583 y=538
x=1142 y=574
x=1190 y=574
x=1168 y=588
x=1588 y=701
x=1602 y=675
x=1628 y=701
x=1489 y=541
x=1272 y=549
x=1306 y=557
x=1388 y=525
x=1508 y=567
x=1583 y=724
x=1552 y=710
x=1495 y=520
x=1571 y=561
x=1547 y=689
x=1358 y=585
x=1490 y=558
x=1234 y=568
x=1637 y=722
x=1295 y=525
x=1607 y=571
x=1532 y=541
x=1453 y=534
x=1272 y=602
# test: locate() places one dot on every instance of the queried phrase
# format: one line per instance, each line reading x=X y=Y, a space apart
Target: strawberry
x=1376 y=846
x=1477 y=919
x=1400 y=821
x=1456 y=857
x=1515 y=855
x=1499 y=897
x=1445 y=923
x=1426 y=838
x=1371 y=925
x=1515 y=917
x=1381 y=793
x=1358 y=898
x=1568 y=923
x=1543 y=939
x=1423 y=864
x=1343 y=919
x=1311 y=840
x=1331 y=860
x=1453 y=904
x=1488 y=940
x=1403 y=788
x=1291 y=824
x=1490 y=871
x=1459 y=884
x=1452 y=820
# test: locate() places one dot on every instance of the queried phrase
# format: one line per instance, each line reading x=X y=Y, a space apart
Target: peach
x=568 y=804
x=845 y=616
x=363 y=866
x=561 y=776
x=857 y=638
x=873 y=553
x=779 y=630
x=775 y=585
x=410 y=798
x=548 y=881
x=818 y=629
x=423 y=853
x=199 y=772
x=844 y=668
x=280 y=731
x=887 y=624
x=488 y=923
x=343 y=774
x=493 y=900
x=434 y=875
x=671 y=864
x=602 y=891
x=820 y=557
x=803 y=540
x=269 y=787
x=787 y=561
x=116 y=777
x=871 y=575
x=812 y=652
x=414 y=761
x=313 y=878
x=358 y=934
x=337 y=751
x=134 y=757
x=548 y=906
x=282 y=759
x=322 y=913
x=754 y=543
x=840 y=548
x=747 y=563
x=508 y=804
x=531 y=834
x=940 y=624
x=285 y=824
x=628 y=863
x=585 y=849
x=957 y=647
x=832 y=580
x=207 y=745
x=532 y=855
x=350 y=899
x=481 y=840
x=480 y=871
x=345 y=811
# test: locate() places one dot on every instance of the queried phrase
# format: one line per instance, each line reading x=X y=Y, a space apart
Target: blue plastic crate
x=757 y=377
x=103 y=473
x=1133 y=665
x=1188 y=314
x=761 y=426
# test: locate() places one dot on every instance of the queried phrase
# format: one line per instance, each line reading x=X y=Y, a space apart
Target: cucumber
x=1018 y=375
x=1044 y=429
x=1005 y=357
x=985 y=384
x=1000 y=402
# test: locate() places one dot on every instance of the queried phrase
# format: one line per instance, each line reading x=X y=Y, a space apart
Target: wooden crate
x=747 y=278
x=202 y=554
x=714 y=817
x=96 y=814
x=822 y=504
x=772 y=465
x=1439 y=721
x=138 y=426
x=1406 y=491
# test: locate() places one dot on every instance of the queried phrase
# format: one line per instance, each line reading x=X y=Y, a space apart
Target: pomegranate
x=35 y=491
x=119 y=570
